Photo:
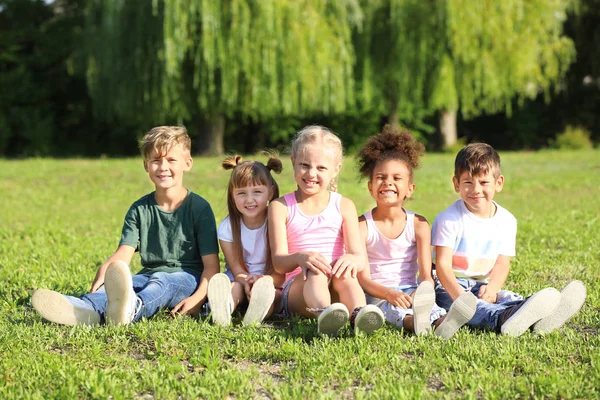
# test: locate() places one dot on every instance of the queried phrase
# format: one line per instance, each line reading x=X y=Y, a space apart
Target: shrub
x=573 y=138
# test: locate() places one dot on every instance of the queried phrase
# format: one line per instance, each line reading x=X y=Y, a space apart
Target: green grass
x=61 y=218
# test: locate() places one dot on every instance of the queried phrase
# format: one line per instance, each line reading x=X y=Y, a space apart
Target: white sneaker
x=55 y=307
x=220 y=300
x=122 y=302
x=422 y=304
x=461 y=311
x=261 y=300
x=517 y=319
x=332 y=319
x=572 y=298
x=368 y=319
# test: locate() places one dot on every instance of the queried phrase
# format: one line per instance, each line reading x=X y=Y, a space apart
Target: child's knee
x=344 y=283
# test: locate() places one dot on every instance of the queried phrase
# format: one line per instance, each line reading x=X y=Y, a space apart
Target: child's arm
x=497 y=279
x=443 y=268
x=423 y=236
x=284 y=262
x=192 y=304
x=123 y=253
x=354 y=259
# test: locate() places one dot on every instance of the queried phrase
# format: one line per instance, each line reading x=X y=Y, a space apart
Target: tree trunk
x=393 y=116
x=448 y=127
x=211 y=130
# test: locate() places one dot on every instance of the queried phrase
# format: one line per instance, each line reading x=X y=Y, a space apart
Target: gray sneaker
x=220 y=300
x=367 y=319
x=572 y=298
x=55 y=307
x=332 y=319
x=461 y=311
x=122 y=302
x=261 y=300
x=515 y=320
x=422 y=304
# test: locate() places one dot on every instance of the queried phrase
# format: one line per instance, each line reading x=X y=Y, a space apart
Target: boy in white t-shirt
x=474 y=240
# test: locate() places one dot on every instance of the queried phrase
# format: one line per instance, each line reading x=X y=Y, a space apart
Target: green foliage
x=56 y=238
x=573 y=138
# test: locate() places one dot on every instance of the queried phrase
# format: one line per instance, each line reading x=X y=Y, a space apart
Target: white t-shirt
x=476 y=242
x=254 y=244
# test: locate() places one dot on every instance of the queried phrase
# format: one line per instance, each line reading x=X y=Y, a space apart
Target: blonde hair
x=249 y=173
x=314 y=133
x=163 y=138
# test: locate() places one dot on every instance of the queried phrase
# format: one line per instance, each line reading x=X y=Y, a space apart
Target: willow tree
x=200 y=61
x=472 y=56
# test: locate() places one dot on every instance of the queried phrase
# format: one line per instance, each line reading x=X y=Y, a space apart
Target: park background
x=81 y=81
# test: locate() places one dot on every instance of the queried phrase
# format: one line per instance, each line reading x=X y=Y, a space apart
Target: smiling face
x=166 y=170
x=315 y=167
x=478 y=191
x=251 y=201
x=391 y=183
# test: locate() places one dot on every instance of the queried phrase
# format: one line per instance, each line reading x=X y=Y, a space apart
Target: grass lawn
x=62 y=218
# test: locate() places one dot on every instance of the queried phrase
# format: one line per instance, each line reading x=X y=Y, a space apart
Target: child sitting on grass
x=474 y=240
x=315 y=240
x=174 y=230
x=399 y=241
x=243 y=238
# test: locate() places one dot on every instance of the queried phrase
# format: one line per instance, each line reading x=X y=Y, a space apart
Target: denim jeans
x=486 y=314
x=156 y=291
x=395 y=315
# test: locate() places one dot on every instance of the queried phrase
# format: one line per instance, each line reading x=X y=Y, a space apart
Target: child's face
x=314 y=168
x=166 y=171
x=478 y=191
x=390 y=183
x=251 y=202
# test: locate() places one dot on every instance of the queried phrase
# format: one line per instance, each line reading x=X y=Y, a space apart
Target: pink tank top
x=321 y=233
x=393 y=262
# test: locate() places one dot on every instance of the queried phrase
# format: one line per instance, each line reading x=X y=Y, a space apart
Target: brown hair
x=311 y=134
x=477 y=159
x=163 y=138
x=390 y=144
x=246 y=173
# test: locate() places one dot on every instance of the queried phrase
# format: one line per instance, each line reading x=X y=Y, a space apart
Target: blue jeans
x=156 y=291
x=395 y=315
x=486 y=314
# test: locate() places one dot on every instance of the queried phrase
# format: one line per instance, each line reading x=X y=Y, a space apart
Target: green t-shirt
x=171 y=241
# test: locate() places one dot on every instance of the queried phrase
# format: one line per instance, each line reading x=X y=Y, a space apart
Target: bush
x=573 y=138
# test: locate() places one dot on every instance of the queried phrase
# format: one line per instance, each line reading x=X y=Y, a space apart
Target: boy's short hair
x=163 y=138
x=477 y=159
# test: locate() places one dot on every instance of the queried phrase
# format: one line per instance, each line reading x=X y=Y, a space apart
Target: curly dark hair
x=390 y=144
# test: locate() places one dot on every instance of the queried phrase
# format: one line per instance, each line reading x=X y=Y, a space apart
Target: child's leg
x=238 y=295
x=316 y=290
x=349 y=292
x=165 y=290
x=294 y=298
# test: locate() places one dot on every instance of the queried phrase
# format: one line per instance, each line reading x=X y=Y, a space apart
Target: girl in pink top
x=314 y=239
x=399 y=241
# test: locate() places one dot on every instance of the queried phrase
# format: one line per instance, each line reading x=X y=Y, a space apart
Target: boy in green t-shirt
x=174 y=230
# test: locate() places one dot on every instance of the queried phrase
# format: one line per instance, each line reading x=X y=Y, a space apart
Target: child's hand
x=398 y=299
x=249 y=282
x=487 y=294
x=344 y=267
x=313 y=261
x=190 y=305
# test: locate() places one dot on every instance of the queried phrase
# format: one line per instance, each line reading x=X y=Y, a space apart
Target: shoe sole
x=219 y=293
x=572 y=298
x=461 y=311
x=537 y=307
x=55 y=307
x=423 y=301
x=118 y=285
x=332 y=319
x=369 y=319
x=263 y=295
